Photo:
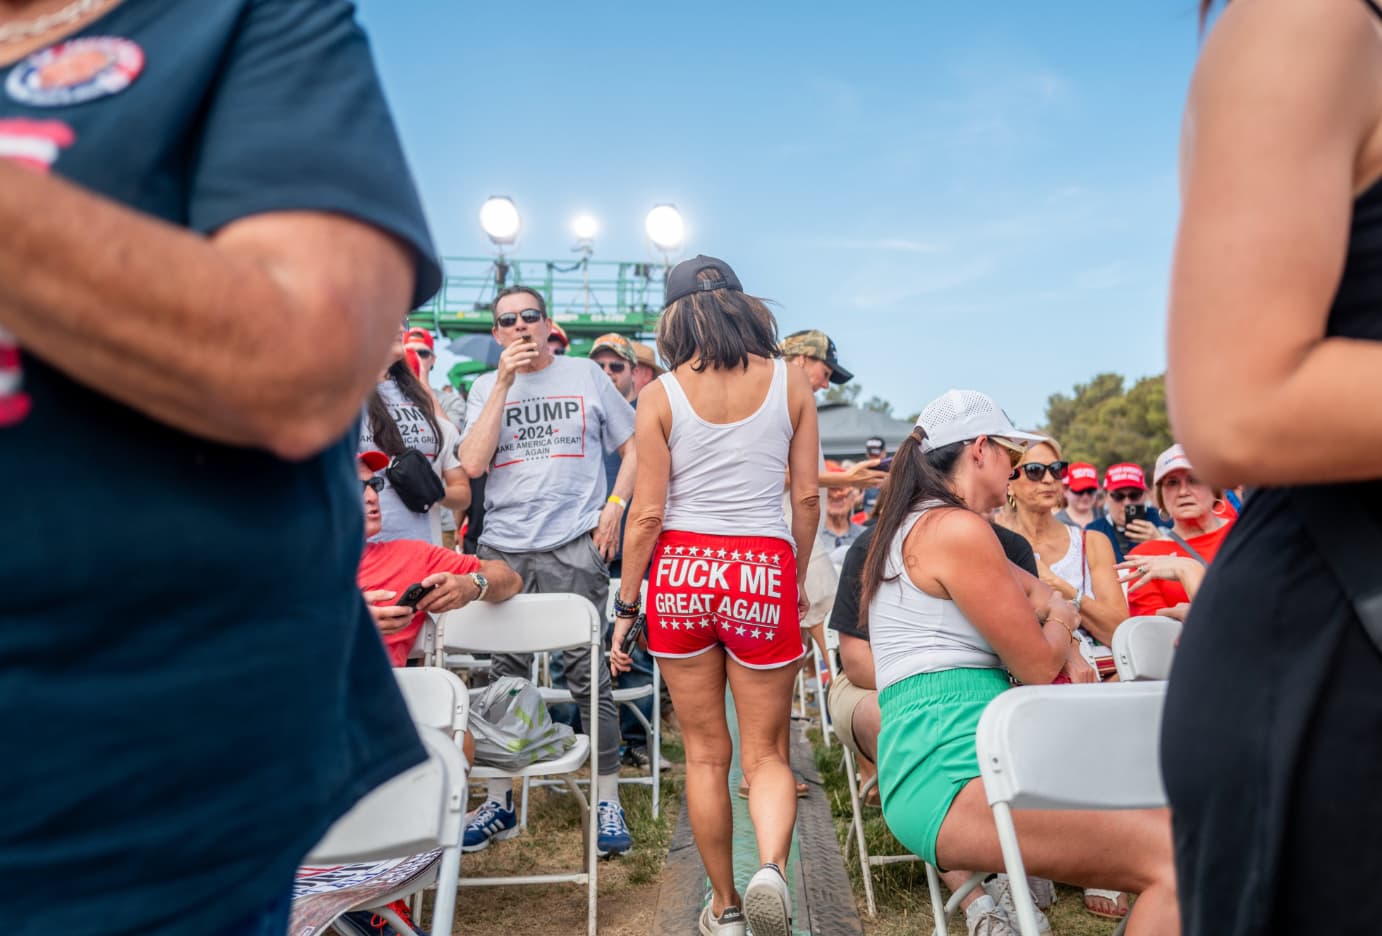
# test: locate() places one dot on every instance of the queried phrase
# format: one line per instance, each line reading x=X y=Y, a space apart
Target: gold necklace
x=15 y=32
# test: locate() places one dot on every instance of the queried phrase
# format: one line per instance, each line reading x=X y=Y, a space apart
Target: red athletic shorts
x=738 y=592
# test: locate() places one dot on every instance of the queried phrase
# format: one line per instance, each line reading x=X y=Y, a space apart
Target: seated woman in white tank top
x=1074 y=563
x=715 y=438
x=949 y=620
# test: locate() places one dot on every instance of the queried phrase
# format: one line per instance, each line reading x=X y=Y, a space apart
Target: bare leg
x=1128 y=850
x=697 y=685
x=763 y=701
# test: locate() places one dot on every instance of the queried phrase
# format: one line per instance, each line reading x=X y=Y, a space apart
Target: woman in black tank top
x=1270 y=743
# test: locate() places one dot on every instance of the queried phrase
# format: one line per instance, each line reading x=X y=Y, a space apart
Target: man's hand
x=803 y=599
x=516 y=357
x=607 y=533
x=452 y=591
x=1141 y=531
x=388 y=618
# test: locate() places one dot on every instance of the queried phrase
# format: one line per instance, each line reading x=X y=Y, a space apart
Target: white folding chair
x=418 y=811
x=1143 y=648
x=1034 y=753
x=534 y=624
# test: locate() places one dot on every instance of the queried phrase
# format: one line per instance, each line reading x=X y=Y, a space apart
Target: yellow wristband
x=616 y=499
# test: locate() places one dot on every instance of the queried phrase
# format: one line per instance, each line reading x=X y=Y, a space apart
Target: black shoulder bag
x=412 y=478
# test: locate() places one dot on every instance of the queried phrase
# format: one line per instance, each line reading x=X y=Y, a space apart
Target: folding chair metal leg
x=523 y=810
x=1122 y=925
x=592 y=823
x=856 y=806
x=1017 y=872
x=820 y=696
x=801 y=694
x=933 y=884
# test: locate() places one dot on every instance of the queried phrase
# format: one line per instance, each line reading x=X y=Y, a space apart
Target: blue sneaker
x=613 y=837
x=491 y=822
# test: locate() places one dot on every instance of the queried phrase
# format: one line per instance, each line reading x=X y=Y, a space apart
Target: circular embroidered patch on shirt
x=76 y=71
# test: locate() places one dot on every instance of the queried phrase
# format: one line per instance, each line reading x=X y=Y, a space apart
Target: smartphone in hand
x=640 y=624
x=414 y=594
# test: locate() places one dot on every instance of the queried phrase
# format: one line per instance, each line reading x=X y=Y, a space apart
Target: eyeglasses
x=423 y=353
x=556 y=348
x=614 y=367
x=1034 y=470
x=374 y=484
x=1015 y=453
x=510 y=319
x=1087 y=492
x=1131 y=495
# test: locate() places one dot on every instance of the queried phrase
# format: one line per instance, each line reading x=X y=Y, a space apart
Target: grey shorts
x=844 y=697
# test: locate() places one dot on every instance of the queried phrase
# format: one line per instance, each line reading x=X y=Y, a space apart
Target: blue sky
x=961 y=194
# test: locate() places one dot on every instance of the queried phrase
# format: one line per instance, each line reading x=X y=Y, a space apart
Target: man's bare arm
x=190 y=330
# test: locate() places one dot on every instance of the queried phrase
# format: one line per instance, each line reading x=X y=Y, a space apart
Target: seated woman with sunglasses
x=949 y=620
x=1197 y=534
x=1078 y=566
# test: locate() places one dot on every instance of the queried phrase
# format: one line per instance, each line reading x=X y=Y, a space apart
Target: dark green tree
x=842 y=393
x=878 y=405
x=1102 y=424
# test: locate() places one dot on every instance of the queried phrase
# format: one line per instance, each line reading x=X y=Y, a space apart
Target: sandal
x=803 y=789
x=1117 y=898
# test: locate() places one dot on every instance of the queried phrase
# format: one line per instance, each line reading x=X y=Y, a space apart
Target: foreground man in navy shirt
x=192 y=690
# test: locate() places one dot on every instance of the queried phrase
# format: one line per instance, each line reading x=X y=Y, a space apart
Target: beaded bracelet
x=627 y=609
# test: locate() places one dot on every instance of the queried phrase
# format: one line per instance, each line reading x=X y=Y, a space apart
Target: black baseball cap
x=682 y=281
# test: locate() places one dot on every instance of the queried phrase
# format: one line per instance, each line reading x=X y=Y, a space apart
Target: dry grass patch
x=904 y=907
x=628 y=885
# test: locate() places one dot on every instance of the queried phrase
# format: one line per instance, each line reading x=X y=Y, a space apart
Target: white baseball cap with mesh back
x=961 y=415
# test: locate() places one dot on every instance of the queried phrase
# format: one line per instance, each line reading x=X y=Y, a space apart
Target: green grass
x=904 y=906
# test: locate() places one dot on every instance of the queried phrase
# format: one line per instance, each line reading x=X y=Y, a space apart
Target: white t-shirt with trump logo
x=546 y=482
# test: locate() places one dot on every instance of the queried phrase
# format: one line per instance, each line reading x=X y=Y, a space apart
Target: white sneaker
x=729 y=923
x=986 y=918
x=1001 y=891
x=768 y=903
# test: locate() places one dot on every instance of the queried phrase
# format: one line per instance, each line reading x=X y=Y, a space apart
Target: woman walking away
x=715 y=438
x=1269 y=740
x=949 y=622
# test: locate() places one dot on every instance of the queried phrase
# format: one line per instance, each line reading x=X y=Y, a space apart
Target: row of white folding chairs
x=623 y=698
x=1033 y=754
x=419 y=811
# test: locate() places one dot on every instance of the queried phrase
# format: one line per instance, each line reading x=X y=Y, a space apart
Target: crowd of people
x=246 y=603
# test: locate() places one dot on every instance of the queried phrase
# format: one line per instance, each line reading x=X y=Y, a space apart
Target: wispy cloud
x=1107 y=276
x=895 y=244
x=880 y=293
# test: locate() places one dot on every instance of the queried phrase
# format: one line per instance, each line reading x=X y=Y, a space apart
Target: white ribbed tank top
x=727 y=478
x=912 y=632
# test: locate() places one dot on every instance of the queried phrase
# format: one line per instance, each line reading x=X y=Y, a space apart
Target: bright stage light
x=585 y=227
x=665 y=228
x=499 y=218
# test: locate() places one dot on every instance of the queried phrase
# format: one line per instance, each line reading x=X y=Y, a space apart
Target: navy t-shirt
x=191 y=688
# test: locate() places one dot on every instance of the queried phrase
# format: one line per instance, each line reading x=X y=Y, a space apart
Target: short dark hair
x=719 y=329
x=514 y=290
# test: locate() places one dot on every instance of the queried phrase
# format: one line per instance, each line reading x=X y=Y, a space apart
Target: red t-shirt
x=1152 y=597
x=395 y=565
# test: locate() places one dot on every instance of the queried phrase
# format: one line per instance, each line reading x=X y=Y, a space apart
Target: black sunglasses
x=510 y=319
x=1133 y=495
x=423 y=353
x=1034 y=470
x=375 y=484
x=614 y=367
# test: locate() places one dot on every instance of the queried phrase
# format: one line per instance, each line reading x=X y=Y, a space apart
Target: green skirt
x=926 y=749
